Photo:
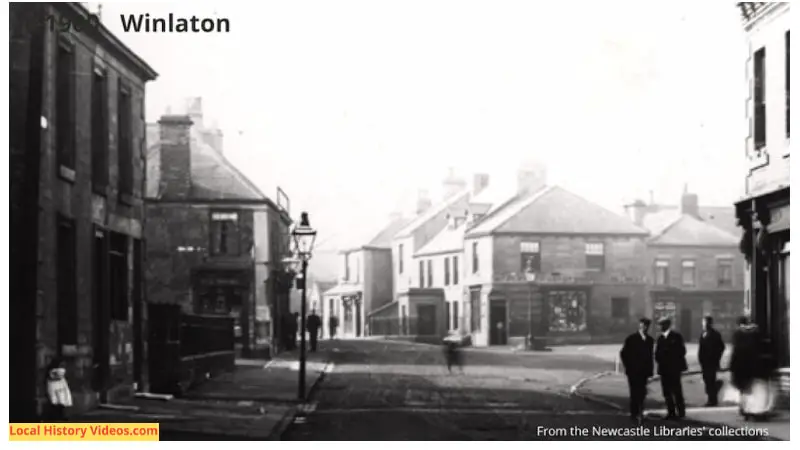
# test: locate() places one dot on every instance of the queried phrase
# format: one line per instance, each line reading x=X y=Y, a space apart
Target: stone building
x=77 y=137
x=214 y=241
x=764 y=213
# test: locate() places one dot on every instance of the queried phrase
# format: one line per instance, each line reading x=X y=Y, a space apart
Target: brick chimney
x=531 y=178
x=636 y=211
x=423 y=201
x=690 y=204
x=453 y=184
x=479 y=182
x=176 y=155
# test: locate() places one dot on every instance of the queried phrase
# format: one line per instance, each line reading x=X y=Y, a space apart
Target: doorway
x=426 y=320
x=101 y=312
x=498 y=323
x=138 y=322
x=687 y=324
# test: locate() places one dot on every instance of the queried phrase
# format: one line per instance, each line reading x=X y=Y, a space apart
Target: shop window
x=567 y=310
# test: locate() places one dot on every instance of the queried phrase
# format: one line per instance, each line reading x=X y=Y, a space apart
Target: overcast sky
x=351 y=106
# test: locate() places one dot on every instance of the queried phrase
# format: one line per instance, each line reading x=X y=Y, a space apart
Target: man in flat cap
x=671 y=359
x=637 y=357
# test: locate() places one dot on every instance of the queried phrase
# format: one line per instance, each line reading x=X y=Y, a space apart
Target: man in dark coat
x=313 y=324
x=709 y=354
x=637 y=357
x=671 y=359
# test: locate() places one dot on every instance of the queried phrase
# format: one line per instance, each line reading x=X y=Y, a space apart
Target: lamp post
x=530 y=277
x=304 y=237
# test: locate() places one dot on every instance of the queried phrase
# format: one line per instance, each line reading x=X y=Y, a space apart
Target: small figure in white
x=58 y=392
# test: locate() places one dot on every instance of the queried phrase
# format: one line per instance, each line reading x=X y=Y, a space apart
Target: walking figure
x=671 y=359
x=751 y=367
x=452 y=353
x=709 y=355
x=314 y=323
x=637 y=358
x=58 y=393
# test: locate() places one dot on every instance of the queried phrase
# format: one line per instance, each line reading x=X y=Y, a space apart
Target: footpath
x=256 y=401
x=611 y=389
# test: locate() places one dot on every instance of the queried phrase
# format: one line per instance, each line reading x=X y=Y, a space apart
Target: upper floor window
x=400 y=259
x=688 y=273
x=99 y=132
x=65 y=107
x=447 y=271
x=759 y=99
x=595 y=256
x=430 y=273
x=455 y=269
x=725 y=273
x=475 y=257
x=225 y=233
x=662 y=272
x=346 y=261
x=125 y=137
x=531 y=260
x=421 y=273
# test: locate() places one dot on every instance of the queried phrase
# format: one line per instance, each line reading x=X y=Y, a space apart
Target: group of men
x=641 y=353
x=291 y=328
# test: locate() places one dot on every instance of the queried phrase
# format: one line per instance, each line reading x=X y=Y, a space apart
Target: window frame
x=475 y=259
x=593 y=258
x=99 y=138
x=530 y=250
x=661 y=263
x=125 y=153
x=215 y=243
x=688 y=263
x=760 y=99
x=723 y=263
x=455 y=270
x=66 y=150
x=447 y=271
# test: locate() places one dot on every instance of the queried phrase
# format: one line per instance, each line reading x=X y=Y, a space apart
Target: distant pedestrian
x=452 y=352
x=313 y=324
x=333 y=324
x=709 y=354
x=751 y=367
x=671 y=359
x=58 y=392
x=637 y=358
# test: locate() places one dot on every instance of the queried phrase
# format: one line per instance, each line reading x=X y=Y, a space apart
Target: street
x=381 y=390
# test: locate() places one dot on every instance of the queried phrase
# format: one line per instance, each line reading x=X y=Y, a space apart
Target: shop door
x=498 y=323
x=426 y=320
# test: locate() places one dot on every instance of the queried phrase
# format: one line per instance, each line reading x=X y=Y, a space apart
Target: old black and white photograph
x=436 y=220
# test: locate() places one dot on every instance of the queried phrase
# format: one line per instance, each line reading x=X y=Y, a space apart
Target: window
x=422 y=274
x=65 y=107
x=450 y=318
x=662 y=272
x=595 y=256
x=567 y=310
x=759 y=99
x=66 y=284
x=531 y=260
x=225 y=233
x=455 y=269
x=346 y=267
x=455 y=316
x=620 y=308
x=786 y=38
x=474 y=257
x=475 y=308
x=400 y=259
x=118 y=268
x=447 y=271
x=725 y=273
x=99 y=133
x=430 y=273
x=125 y=146
x=687 y=273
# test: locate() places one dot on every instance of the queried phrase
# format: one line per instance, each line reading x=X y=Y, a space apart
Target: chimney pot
x=531 y=178
x=690 y=205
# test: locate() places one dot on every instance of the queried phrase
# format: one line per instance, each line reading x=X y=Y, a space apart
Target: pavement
x=403 y=391
x=257 y=401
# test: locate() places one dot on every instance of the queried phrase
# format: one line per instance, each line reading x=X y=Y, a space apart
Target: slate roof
x=690 y=231
x=213 y=176
x=384 y=238
x=722 y=217
x=448 y=240
x=556 y=210
x=432 y=212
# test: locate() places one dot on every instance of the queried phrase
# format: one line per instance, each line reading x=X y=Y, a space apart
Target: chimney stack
x=479 y=182
x=636 y=212
x=453 y=184
x=423 y=201
x=176 y=155
x=690 y=204
x=194 y=109
x=531 y=178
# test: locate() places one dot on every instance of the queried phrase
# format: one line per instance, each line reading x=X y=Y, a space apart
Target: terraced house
x=77 y=137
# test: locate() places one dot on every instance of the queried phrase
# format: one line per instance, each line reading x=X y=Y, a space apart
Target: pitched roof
x=689 y=230
x=448 y=240
x=659 y=217
x=432 y=212
x=555 y=210
x=384 y=238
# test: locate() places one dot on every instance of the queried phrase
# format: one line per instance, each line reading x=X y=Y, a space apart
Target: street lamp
x=530 y=277
x=304 y=237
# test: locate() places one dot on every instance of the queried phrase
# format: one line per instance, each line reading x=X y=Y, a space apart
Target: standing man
x=671 y=359
x=637 y=357
x=709 y=354
x=313 y=324
x=333 y=324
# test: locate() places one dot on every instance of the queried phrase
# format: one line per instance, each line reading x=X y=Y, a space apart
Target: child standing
x=58 y=392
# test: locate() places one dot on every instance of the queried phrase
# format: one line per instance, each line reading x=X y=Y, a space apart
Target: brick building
x=77 y=182
x=550 y=264
x=764 y=213
x=696 y=269
x=214 y=241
